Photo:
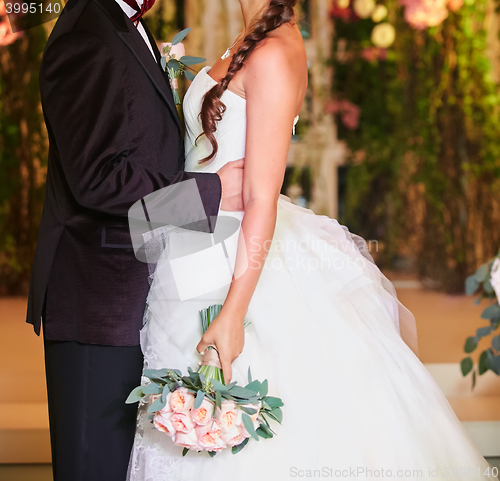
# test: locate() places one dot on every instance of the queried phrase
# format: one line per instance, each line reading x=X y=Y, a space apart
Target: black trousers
x=91 y=427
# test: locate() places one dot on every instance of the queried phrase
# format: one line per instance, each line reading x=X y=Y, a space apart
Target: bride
x=323 y=325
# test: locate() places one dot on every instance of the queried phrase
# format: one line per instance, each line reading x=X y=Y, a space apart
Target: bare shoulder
x=282 y=56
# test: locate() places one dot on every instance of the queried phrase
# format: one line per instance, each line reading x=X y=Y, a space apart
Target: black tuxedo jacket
x=115 y=137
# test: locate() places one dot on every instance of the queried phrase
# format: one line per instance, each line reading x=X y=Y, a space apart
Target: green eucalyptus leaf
x=466 y=366
x=483 y=362
x=247 y=410
x=249 y=375
x=483 y=331
x=470 y=344
x=218 y=386
x=185 y=451
x=253 y=386
x=156 y=374
x=187 y=60
x=237 y=449
x=241 y=392
x=471 y=285
x=248 y=423
x=482 y=273
x=152 y=388
x=263 y=388
x=158 y=405
x=180 y=36
x=492 y=312
x=212 y=453
x=135 y=396
x=488 y=288
x=174 y=65
x=273 y=402
x=163 y=63
x=277 y=414
x=495 y=343
x=189 y=75
x=261 y=431
x=218 y=399
x=199 y=399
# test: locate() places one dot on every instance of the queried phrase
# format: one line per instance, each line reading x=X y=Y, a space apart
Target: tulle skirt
x=325 y=329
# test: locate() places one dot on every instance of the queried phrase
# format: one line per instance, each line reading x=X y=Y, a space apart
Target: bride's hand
x=227 y=334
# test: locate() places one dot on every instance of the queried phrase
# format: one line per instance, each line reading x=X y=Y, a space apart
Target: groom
x=115 y=137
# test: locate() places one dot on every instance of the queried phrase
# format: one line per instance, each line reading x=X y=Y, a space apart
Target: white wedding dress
x=326 y=330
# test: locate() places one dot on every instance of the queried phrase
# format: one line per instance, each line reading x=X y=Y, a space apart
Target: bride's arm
x=273 y=91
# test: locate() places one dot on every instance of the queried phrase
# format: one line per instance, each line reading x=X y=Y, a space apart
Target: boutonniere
x=175 y=62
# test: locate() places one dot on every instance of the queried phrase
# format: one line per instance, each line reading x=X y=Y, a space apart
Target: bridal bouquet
x=199 y=412
x=175 y=62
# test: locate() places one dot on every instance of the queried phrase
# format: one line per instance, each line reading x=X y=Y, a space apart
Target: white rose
x=495 y=277
x=364 y=8
x=383 y=35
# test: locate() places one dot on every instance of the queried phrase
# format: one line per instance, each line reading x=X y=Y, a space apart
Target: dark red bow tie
x=146 y=5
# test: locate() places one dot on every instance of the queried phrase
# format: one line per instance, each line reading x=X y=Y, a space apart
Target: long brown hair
x=279 y=12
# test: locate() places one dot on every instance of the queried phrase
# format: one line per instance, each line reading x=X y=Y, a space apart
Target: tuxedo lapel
x=133 y=40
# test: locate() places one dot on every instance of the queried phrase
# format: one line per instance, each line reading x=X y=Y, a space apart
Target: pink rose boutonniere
x=175 y=62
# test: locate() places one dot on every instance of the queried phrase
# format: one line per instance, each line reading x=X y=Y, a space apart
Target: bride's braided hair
x=279 y=12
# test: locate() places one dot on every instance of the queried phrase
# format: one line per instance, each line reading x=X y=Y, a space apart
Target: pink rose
x=228 y=415
x=204 y=413
x=209 y=437
x=187 y=440
x=181 y=400
x=182 y=422
x=234 y=436
x=163 y=422
x=172 y=51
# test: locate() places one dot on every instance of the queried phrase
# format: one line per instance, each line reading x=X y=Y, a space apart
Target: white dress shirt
x=130 y=13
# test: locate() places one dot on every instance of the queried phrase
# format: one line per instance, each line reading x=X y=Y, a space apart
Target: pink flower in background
x=342 y=9
x=455 y=5
x=370 y=54
x=181 y=400
x=204 y=413
x=349 y=113
x=421 y=14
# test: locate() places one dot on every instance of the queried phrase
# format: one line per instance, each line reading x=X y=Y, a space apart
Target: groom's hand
x=231 y=177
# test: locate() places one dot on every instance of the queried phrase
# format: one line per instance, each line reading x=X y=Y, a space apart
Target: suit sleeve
x=85 y=105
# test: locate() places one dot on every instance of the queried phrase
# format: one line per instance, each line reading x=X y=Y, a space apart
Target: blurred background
x=398 y=138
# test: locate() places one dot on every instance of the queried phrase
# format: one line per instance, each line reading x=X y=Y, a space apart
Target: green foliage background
x=429 y=140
